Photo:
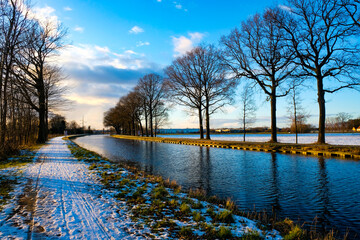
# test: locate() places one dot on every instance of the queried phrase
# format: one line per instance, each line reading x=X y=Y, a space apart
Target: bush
x=186 y=232
x=160 y=192
x=224 y=217
x=295 y=234
x=224 y=233
x=184 y=208
x=197 y=216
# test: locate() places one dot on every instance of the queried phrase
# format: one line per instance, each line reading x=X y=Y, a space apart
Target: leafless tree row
x=303 y=40
x=306 y=39
x=28 y=82
x=196 y=80
x=142 y=110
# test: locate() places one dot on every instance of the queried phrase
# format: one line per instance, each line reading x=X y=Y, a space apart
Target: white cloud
x=97 y=77
x=141 y=43
x=136 y=30
x=45 y=16
x=67 y=9
x=93 y=56
x=79 y=29
x=178 y=6
x=283 y=7
x=158 y=0
x=184 y=44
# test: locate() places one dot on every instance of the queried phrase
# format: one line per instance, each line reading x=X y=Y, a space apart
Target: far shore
x=324 y=150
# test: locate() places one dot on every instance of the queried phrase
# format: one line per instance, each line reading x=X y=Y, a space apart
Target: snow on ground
x=58 y=198
x=331 y=138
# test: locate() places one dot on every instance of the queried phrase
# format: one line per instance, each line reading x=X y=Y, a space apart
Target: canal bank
x=323 y=150
x=321 y=193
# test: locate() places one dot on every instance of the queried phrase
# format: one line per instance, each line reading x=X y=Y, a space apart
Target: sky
x=111 y=44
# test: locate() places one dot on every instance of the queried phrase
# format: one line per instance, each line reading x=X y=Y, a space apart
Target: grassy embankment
x=162 y=206
x=9 y=171
x=325 y=150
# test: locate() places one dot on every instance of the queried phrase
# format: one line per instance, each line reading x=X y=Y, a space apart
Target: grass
x=9 y=180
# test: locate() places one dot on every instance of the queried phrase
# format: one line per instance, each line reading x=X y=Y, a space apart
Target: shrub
x=93 y=166
x=224 y=217
x=160 y=192
x=186 y=232
x=285 y=226
x=197 y=216
x=184 y=208
x=230 y=205
x=295 y=234
x=224 y=233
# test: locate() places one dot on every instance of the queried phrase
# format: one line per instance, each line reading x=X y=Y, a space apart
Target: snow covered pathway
x=58 y=198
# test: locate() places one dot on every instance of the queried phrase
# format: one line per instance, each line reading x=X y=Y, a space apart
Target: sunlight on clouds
x=45 y=16
x=92 y=56
x=88 y=100
x=184 y=44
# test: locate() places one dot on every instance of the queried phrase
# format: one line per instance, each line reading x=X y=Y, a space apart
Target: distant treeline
x=29 y=83
x=303 y=41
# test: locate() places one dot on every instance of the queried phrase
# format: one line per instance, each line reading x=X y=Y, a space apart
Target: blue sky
x=113 y=43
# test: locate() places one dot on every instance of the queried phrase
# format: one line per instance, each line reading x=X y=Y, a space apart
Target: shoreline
x=264 y=220
x=317 y=150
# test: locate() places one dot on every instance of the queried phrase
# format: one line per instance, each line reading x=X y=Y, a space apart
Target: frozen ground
x=331 y=138
x=58 y=198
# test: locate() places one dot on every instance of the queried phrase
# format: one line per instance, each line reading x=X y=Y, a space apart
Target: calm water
x=332 y=138
x=298 y=187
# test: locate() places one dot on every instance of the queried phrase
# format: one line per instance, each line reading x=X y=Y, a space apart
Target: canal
x=298 y=187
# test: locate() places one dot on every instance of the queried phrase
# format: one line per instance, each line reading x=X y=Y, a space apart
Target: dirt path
x=59 y=198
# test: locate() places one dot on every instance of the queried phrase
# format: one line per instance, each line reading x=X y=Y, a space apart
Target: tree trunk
x=201 y=124
x=321 y=101
x=146 y=120
x=295 y=117
x=207 y=121
x=273 y=117
x=244 y=120
x=141 y=128
x=244 y=125
x=151 y=122
x=42 y=125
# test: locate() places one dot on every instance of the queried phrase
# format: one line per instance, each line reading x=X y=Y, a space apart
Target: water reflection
x=295 y=186
x=275 y=191
x=323 y=216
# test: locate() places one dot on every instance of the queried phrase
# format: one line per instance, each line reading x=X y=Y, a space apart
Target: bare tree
x=152 y=91
x=248 y=107
x=43 y=42
x=258 y=52
x=321 y=35
x=352 y=8
x=161 y=117
x=185 y=88
x=113 y=118
x=13 y=26
x=298 y=116
x=218 y=87
x=199 y=80
x=342 y=120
